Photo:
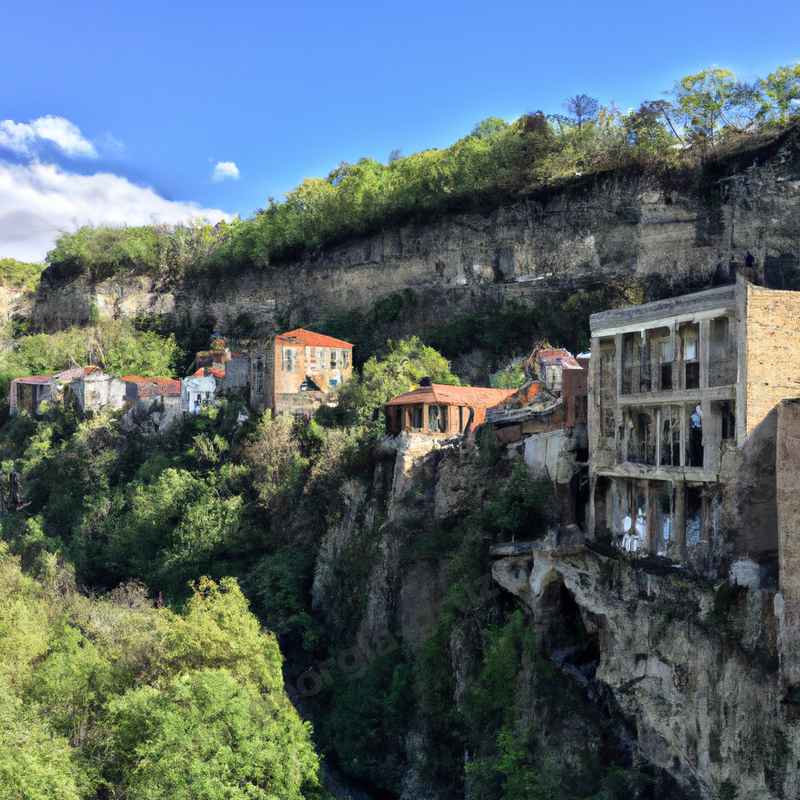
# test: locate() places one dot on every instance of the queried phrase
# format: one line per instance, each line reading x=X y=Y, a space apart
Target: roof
x=37 y=380
x=165 y=386
x=442 y=394
x=557 y=356
x=203 y=372
x=311 y=339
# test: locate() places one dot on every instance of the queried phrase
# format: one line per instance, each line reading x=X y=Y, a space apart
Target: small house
x=548 y=365
x=27 y=393
x=198 y=391
x=442 y=410
x=95 y=390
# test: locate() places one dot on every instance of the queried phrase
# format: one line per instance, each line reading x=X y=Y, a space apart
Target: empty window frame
x=437 y=419
x=694 y=437
x=665 y=354
x=727 y=414
x=259 y=377
x=415 y=417
x=690 y=337
x=671 y=436
x=333 y=358
x=722 y=353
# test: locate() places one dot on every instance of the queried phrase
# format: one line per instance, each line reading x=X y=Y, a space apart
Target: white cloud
x=225 y=171
x=40 y=201
x=23 y=138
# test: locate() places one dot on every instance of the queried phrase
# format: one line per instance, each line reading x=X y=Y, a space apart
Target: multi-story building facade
x=297 y=371
x=682 y=403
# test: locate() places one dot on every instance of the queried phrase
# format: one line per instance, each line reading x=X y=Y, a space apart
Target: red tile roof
x=311 y=339
x=557 y=355
x=442 y=394
x=165 y=386
x=204 y=372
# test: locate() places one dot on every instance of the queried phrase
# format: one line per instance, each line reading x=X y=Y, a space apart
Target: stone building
x=682 y=424
x=548 y=365
x=29 y=392
x=298 y=371
x=95 y=390
x=437 y=409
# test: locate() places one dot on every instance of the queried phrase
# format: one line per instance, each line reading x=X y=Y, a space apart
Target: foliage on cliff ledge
x=19 y=274
x=711 y=113
x=114 y=345
x=113 y=696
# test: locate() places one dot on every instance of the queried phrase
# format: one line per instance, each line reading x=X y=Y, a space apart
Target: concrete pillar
x=705 y=352
x=650 y=510
x=425 y=416
x=679 y=522
x=618 y=361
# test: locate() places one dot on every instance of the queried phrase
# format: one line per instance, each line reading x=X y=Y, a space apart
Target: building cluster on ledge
x=294 y=372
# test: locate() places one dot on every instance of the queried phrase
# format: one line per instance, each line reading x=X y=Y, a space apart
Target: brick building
x=682 y=422
x=298 y=371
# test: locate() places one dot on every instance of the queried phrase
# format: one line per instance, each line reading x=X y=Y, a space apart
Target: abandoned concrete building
x=95 y=390
x=298 y=371
x=682 y=424
x=28 y=393
x=231 y=369
x=548 y=365
x=440 y=410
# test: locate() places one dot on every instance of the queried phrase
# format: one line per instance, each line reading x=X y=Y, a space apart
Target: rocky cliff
x=652 y=668
x=587 y=232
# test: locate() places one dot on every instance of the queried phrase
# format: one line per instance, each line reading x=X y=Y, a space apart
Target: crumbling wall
x=788 y=481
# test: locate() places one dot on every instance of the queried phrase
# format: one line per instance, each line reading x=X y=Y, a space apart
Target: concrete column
x=658 y=436
x=650 y=511
x=618 y=361
x=425 y=416
x=679 y=522
x=705 y=351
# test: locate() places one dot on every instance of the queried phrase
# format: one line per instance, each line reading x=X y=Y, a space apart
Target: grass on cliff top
x=712 y=116
x=19 y=274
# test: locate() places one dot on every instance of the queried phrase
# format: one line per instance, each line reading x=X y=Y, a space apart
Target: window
x=320 y=358
x=416 y=418
x=665 y=357
x=670 y=437
x=333 y=360
x=694 y=441
x=437 y=419
x=289 y=359
x=727 y=413
x=690 y=355
x=259 y=376
x=345 y=359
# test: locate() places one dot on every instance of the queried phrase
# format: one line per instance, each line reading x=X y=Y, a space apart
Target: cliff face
x=695 y=667
x=654 y=666
x=590 y=231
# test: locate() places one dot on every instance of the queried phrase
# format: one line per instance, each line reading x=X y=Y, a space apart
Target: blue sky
x=164 y=91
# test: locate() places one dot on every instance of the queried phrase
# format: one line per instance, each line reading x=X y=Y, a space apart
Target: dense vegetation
x=106 y=696
x=115 y=345
x=709 y=113
x=19 y=274
x=114 y=697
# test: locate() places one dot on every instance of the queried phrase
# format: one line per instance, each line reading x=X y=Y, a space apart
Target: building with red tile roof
x=436 y=408
x=139 y=387
x=297 y=371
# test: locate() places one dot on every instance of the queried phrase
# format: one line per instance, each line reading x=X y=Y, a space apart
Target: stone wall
x=772 y=351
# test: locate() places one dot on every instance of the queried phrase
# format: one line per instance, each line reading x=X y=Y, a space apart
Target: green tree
x=400 y=370
x=781 y=89
x=703 y=99
x=206 y=736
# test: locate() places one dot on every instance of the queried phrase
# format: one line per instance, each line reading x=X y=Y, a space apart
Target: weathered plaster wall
x=594 y=230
